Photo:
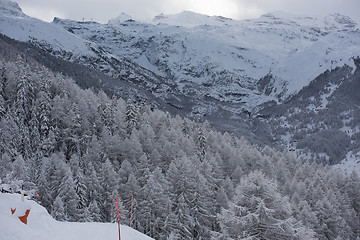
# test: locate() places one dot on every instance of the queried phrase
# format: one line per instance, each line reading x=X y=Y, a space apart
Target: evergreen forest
x=79 y=149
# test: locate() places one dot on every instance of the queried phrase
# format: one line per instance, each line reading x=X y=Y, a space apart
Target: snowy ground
x=351 y=163
x=41 y=226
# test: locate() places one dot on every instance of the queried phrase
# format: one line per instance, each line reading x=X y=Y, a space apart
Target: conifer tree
x=5 y=165
x=3 y=80
x=353 y=191
x=184 y=222
x=203 y=209
x=20 y=170
x=44 y=109
x=22 y=111
x=58 y=210
x=329 y=220
x=258 y=211
x=154 y=206
x=306 y=215
x=201 y=144
x=131 y=116
x=80 y=186
x=108 y=186
x=45 y=188
x=2 y=106
x=94 y=211
x=67 y=192
x=131 y=188
x=93 y=187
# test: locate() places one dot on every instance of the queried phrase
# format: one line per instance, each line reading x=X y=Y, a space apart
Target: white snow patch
x=350 y=163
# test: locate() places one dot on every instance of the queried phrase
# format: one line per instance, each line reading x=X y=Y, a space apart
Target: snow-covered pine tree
x=67 y=191
x=47 y=191
x=3 y=80
x=108 y=183
x=203 y=208
x=94 y=212
x=22 y=110
x=58 y=210
x=93 y=187
x=128 y=189
x=132 y=114
x=201 y=143
x=80 y=186
x=107 y=111
x=353 y=191
x=44 y=109
x=34 y=158
x=2 y=106
x=185 y=224
x=306 y=215
x=258 y=211
x=20 y=170
x=153 y=209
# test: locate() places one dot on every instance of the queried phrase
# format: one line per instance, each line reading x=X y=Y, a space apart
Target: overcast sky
x=104 y=10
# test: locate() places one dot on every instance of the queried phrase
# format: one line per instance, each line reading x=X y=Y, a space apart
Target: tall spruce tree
x=258 y=211
x=109 y=184
x=132 y=114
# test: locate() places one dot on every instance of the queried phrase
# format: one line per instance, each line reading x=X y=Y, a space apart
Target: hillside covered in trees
x=80 y=149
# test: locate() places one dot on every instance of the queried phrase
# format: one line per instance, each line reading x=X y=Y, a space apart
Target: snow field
x=41 y=226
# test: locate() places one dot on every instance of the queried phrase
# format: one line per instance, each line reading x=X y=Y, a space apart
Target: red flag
x=24 y=218
x=132 y=200
x=117 y=202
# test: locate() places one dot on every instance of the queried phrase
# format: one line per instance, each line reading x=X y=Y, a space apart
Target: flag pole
x=132 y=201
x=22 y=193
x=117 y=202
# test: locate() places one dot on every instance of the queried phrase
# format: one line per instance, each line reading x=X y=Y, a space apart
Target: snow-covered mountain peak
x=189 y=19
x=331 y=22
x=123 y=17
x=280 y=15
x=340 y=21
x=10 y=8
x=15 y=24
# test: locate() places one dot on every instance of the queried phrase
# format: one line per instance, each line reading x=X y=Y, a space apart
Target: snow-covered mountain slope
x=351 y=163
x=65 y=45
x=41 y=226
x=194 y=54
x=249 y=77
x=15 y=24
x=321 y=121
x=225 y=58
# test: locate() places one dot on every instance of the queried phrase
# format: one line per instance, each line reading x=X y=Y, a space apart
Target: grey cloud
x=104 y=10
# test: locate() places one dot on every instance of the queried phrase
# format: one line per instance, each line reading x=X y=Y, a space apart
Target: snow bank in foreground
x=41 y=226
